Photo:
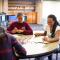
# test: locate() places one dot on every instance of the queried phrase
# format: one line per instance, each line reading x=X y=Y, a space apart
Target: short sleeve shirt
x=48 y=29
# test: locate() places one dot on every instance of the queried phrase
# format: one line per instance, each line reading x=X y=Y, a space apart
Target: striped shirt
x=7 y=48
x=20 y=26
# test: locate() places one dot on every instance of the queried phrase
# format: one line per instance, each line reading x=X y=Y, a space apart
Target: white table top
x=34 y=45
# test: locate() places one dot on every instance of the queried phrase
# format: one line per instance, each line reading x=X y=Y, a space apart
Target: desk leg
x=50 y=57
x=39 y=58
x=56 y=56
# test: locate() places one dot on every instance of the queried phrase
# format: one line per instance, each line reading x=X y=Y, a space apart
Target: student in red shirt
x=20 y=27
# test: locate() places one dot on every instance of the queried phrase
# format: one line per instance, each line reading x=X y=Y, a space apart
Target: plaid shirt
x=7 y=51
x=20 y=26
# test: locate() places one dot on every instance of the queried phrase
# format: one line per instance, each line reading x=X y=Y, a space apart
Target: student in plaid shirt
x=7 y=45
x=20 y=26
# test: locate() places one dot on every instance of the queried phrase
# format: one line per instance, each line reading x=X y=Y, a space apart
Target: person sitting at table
x=52 y=31
x=8 y=44
x=20 y=26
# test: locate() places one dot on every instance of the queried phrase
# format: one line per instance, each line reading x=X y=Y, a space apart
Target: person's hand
x=37 y=34
x=14 y=30
x=20 y=31
x=46 y=38
x=49 y=40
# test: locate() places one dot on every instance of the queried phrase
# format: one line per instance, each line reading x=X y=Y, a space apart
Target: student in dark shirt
x=20 y=27
x=7 y=46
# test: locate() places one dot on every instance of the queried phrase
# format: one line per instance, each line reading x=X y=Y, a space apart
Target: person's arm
x=57 y=34
x=50 y=40
x=44 y=33
x=18 y=47
x=28 y=30
x=10 y=29
x=41 y=34
x=56 y=38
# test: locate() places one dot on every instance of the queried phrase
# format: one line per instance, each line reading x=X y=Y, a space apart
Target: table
x=35 y=46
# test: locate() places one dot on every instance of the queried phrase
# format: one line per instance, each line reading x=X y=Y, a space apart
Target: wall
x=51 y=7
x=5 y=6
x=0 y=5
x=39 y=11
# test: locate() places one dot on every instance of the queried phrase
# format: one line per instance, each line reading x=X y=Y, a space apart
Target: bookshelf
x=24 y=6
x=20 y=6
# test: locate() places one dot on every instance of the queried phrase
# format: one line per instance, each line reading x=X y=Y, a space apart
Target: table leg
x=39 y=58
x=56 y=56
x=50 y=57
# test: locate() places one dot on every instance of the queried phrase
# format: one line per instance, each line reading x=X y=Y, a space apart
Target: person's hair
x=55 y=24
x=19 y=14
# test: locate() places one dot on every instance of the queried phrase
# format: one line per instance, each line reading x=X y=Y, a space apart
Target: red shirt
x=24 y=25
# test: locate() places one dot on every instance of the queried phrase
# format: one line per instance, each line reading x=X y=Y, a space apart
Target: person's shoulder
x=24 y=22
x=10 y=36
x=58 y=27
x=46 y=26
x=15 y=22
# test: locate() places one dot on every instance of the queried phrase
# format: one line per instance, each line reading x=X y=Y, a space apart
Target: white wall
x=51 y=7
x=39 y=12
x=0 y=5
x=5 y=6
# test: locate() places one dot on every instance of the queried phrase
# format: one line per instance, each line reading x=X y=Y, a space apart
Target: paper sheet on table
x=39 y=40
